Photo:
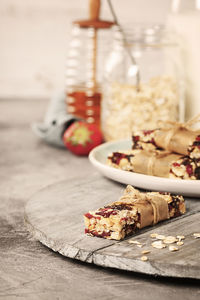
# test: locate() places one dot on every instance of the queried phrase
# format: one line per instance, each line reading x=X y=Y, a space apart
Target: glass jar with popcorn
x=139 y=96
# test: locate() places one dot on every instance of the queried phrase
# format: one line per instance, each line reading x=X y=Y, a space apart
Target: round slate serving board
x=54 y=216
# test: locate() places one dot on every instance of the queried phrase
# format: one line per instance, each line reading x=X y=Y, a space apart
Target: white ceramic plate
x=98 y=158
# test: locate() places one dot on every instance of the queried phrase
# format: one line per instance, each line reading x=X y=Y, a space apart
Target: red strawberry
x=81 y=137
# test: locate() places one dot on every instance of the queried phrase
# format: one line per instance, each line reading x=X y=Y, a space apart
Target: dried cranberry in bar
x=122 y=160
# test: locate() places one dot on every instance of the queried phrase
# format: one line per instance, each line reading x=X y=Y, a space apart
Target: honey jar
x=84 y=65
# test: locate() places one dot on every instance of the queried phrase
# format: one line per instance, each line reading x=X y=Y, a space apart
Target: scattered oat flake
x=158 y=244
x=134 y=242
x=179 y=243
x=170 y=239
x=146 y=251
x=144 y=258
x=180 y=237
x=140 y=245
x=153 y=235
x=173 y=248
x=196 y=235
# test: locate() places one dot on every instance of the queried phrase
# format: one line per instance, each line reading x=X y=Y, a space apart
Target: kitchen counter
x=30 y=270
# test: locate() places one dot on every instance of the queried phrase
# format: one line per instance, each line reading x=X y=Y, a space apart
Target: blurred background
x=34 y=36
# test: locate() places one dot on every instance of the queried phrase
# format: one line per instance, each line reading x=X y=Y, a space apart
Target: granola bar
x=133 y=211
x=194 y=149
x=182 y=141
x=185 y=168
x=122 y=160
x=157 y=163
x=144 y=139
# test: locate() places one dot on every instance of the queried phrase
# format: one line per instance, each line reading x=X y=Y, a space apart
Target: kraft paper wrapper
x=152 y=211
x=177 y=137
x=152 y=208
x=154 y=163
x=175 y=140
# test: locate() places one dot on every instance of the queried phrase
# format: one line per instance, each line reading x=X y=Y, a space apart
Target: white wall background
x=34 y=35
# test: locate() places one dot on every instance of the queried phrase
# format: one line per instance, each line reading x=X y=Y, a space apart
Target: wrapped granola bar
x=133 y=211
x=175 y=137
x=181 y=140
x=156 y=163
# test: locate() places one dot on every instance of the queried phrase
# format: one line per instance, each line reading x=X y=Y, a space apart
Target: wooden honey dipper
x=96 y=23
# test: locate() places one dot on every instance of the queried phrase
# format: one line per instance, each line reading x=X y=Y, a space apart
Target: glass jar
x=83 y=91
x=84 y=65
x=128 y=106
x=184 y=20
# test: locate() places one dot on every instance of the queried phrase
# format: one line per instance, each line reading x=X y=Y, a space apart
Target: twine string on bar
x=140 y=200
x=171 y=131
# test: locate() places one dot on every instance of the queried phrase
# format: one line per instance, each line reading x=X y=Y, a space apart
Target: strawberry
x=81 y=137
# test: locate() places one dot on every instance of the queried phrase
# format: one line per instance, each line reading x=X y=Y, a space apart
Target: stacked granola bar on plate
x=170 y=152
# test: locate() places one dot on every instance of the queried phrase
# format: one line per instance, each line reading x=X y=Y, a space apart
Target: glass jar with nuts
x=138 y=96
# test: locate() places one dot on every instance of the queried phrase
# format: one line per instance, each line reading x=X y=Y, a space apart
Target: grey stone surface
x=29 y=270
